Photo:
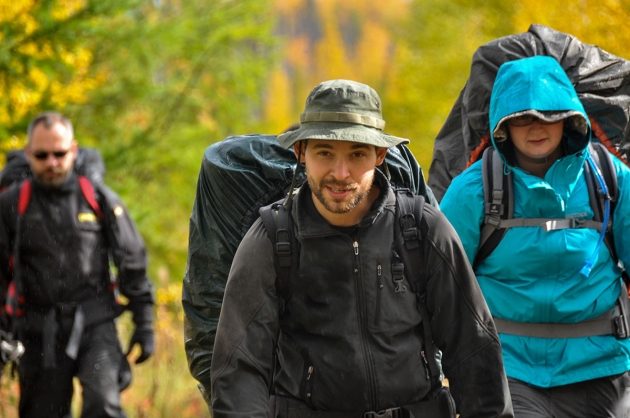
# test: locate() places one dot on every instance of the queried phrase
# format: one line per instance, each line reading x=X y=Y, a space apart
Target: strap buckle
x=620 y=327
x=398 y=277
x=385 y=413
x=409 y=227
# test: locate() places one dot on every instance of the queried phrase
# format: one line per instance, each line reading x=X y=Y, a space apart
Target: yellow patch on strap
x=118 y=210
x=86 y=217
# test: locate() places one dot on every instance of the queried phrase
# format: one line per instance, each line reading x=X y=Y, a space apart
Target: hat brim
x=338 y=131
x=576 y=119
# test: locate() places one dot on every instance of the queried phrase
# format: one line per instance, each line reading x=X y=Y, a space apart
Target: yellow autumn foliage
x=29 y=83
x=325 y=39
x=598 y=22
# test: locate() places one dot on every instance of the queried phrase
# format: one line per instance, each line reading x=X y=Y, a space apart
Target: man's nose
x=341 y=169
x=51 y=159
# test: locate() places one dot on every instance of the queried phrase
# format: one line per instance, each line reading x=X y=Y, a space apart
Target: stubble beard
x=53 y=177
x=333 y=206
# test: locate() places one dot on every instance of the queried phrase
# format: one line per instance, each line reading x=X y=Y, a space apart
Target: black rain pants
x=47 y=392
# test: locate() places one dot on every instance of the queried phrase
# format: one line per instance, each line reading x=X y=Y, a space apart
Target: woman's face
x=535 y=138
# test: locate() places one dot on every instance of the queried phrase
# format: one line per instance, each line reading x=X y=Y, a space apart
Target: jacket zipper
x=308 y=385
x=379 y=291
x=425 y=360
x=362 y=314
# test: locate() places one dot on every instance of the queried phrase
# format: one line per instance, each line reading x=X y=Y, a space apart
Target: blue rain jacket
x=533 y=275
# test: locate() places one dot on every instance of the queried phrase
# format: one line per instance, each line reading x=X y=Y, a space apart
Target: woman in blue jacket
x=544 y=277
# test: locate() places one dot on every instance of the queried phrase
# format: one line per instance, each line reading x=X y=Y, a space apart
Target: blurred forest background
x=152 y=83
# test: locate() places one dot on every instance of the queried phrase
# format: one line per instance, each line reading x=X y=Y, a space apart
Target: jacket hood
x=539 y=86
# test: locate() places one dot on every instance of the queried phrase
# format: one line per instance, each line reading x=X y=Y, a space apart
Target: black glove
x=143 y=336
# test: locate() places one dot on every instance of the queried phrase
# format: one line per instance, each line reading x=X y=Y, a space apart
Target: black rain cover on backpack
x=601 y=80
x=89 y=163
x=238 y=176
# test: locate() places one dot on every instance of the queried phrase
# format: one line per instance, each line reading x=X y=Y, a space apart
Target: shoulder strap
x=279 y=225
x=24 y=196
x=26 y=190
x=87 y=189
x=603 y=160
x=408 y=238
x=597 y=197
x=14 y=298
x=498 y=203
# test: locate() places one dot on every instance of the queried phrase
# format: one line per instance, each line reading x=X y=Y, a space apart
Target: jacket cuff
x=142 y=314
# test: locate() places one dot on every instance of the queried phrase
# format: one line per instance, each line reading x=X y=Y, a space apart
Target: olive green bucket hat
x=342 y=110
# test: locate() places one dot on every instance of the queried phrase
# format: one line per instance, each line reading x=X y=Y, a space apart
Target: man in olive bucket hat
x=352 y=338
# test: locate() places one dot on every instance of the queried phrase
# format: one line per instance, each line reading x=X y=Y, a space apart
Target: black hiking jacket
x=346 y=340
x=65 y=250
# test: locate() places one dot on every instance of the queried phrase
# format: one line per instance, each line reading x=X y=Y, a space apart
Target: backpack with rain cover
x=238 y=176
x=602 y=82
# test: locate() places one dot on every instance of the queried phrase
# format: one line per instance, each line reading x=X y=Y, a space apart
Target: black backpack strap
x=603 y=160
x=279 y=225
x=596 y=196
x=408 y=238
x=498 y=203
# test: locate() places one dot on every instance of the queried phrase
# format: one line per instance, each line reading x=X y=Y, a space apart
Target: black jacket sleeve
x=462 y=325
x=129 y=256
x=247 y=331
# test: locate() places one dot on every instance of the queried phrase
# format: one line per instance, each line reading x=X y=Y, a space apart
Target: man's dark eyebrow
x=322 y=145
x=355 y=145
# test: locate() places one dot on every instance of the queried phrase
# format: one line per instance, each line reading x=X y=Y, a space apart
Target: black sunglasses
x=43 y=155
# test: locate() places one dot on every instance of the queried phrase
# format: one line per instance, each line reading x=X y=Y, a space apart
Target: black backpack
x=409 y=246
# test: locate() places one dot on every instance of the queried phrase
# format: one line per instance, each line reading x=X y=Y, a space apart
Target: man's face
x=340 y=175
x=51 y=153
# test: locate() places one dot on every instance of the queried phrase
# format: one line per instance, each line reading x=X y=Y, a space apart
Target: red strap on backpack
x=26 y=189
x=477 y=152
x=90 y=196
x=15 y=301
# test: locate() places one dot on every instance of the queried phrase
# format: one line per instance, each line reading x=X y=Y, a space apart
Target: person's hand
x=143 y=337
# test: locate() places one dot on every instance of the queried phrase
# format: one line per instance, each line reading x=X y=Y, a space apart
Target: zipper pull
x=379 y=276
x=426 y=363
x=309 y=374
x=355 y=246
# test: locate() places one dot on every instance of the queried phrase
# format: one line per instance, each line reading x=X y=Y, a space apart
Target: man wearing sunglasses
x=51 y=150
x=58 y=234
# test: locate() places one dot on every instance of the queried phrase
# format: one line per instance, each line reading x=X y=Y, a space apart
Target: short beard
x=57 y=182
x=336 y=207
